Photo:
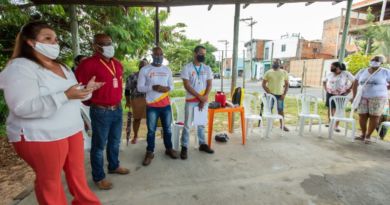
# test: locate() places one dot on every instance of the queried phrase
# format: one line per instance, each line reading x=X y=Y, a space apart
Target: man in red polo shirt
x=106 y=110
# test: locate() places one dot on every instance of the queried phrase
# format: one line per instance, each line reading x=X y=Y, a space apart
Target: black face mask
x=200 y=58
x=275 y=66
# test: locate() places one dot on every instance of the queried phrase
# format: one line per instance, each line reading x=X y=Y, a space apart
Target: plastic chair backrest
x=341 y=103
x=307 y=104
x=270 y=103
x=178 y=105
x=251 y=104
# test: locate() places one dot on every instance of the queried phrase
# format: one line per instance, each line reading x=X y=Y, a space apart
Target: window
x=283 y=47
x=266 y=53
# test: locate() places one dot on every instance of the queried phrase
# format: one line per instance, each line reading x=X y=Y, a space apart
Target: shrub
x=357 y=61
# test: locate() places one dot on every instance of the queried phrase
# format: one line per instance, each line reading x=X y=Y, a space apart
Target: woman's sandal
x=367 y=141
x=134 y=141
x=361 y=138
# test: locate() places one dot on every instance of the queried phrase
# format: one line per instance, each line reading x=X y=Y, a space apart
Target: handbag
x=359 y=92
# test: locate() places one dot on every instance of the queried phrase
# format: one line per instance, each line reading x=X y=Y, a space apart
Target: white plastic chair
x=269 y=113
x=251 y=112
x=178 y=106
x=307 y=109
x=340 y=114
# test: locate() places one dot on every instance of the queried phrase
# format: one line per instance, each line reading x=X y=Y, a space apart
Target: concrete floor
x=277 y=170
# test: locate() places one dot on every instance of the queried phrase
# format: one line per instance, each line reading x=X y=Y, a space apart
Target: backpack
x=238 y=96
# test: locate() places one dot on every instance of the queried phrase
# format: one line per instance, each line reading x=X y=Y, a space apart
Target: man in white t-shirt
x=197 y=79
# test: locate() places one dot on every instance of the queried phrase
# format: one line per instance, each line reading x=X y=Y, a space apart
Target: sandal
x=361 y=138
x=134 y=141
x=367 y=141
x=337 y=129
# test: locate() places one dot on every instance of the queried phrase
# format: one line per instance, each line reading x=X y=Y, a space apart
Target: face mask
x=108 y=51
x=200 y=58
x=375 y=64
x=275 y=66
x=157 y=60
x=49 y=50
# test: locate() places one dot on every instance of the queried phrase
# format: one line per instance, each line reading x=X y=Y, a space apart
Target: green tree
x=367 y=42
x=182 y=52
x=357 y=61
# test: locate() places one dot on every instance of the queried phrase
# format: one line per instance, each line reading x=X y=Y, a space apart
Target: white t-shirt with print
x=377 y=85
x=198 y=76
x=338 y=84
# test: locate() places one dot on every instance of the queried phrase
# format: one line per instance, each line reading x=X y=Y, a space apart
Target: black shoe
x=183 y=153
x=205 y=148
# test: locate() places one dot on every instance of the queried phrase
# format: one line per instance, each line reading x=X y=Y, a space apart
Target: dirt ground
x=15 y=175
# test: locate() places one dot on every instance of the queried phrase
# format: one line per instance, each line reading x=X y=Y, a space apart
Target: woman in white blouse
x=337 y=83
x=44 y=123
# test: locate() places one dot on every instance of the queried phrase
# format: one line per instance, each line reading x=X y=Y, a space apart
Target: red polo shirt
x=104 y=71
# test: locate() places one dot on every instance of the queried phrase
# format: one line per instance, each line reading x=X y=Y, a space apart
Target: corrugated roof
x=168 y=2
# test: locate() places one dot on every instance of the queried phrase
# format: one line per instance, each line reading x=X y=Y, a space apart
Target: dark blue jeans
x=152 y=115
x=106 y=131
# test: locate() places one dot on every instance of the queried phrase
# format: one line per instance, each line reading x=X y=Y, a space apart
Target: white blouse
x=38 y=107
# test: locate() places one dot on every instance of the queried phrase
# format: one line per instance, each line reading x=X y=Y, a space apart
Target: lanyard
x=108 y=68
x=198 y=71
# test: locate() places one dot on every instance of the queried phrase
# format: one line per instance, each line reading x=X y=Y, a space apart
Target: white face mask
x=375 y=64
x=49 y=50
x=108 y=51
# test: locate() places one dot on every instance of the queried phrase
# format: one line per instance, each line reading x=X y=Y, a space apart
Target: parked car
x=176 y=75
x=217 y=76
x=294 y=81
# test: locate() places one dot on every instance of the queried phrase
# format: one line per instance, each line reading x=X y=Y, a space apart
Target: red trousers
x=48 y=159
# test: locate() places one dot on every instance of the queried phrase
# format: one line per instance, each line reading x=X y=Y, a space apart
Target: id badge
x=115 y=83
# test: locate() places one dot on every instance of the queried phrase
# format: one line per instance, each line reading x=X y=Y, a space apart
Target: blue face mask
x=157 y=60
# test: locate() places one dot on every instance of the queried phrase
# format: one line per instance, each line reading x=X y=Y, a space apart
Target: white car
x=294 y=81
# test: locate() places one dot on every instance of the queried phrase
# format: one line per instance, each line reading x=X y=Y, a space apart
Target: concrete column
x=74 y=31
x=235 y=46
x=345 y=31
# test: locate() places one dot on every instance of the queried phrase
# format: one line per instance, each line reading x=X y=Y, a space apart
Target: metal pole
x=303 y=76
x=74 y=30
x=345 y=31
x=221 y=71
x=251 y=56
x=383 y=11
x=157 y=27
x=243 y=73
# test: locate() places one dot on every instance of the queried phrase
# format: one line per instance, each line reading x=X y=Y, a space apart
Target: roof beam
x=210 y=6
x=279 y=5
x=308 y=3
x=336 y=2
x=245 y=5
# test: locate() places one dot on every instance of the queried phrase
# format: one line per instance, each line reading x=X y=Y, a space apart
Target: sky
x=273 y=22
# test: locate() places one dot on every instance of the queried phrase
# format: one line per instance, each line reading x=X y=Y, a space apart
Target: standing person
x=156 y=81
x=337 y=83
x=136 y=100
x=44 y=123
x=197 y=79
x=275 y=82
x=77 y=60
x=106 y=110
x=374 y=96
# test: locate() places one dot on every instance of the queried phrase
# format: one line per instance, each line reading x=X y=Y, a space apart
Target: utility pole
x=252 y=22
x=243 y=73
x=345 y=31
x=221 y=71
x=226 y=42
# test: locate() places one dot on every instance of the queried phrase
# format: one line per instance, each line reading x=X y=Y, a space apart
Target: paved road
x=255 y=86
